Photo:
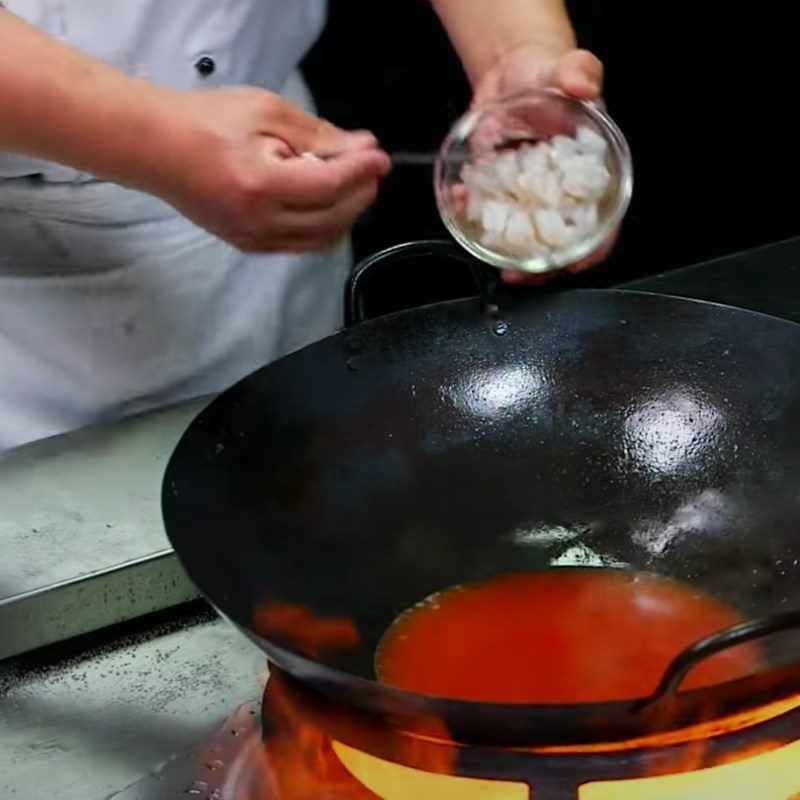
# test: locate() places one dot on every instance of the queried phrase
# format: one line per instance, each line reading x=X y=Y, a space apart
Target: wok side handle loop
x=484 y=277
x=714 y=644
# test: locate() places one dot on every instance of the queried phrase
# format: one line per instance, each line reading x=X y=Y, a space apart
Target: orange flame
x=306 y=759
x=299 y=760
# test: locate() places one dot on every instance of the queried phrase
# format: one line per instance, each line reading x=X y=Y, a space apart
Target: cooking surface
x=87 y=504
x=77 y=504
x=766 y=279
x=88 y=727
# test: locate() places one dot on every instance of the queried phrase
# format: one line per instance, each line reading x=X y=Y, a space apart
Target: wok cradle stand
x=550 y=776
x=560 y=776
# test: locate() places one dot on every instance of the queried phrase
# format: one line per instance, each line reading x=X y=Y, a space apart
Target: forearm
x=59 y=104
x=483 y=30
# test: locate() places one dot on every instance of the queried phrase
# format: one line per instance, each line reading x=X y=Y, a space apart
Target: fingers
x=304 y=132
x=579 y=74
x=272 y=149
x=310 y=226
x=296 y=204
x=598 y=256
x=307 y=184
x=357 y=140
x=299 y=129
x=523 y=279
x=314 y=229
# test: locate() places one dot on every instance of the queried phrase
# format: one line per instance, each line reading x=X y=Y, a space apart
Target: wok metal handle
x=736 y=635
x=484 y=277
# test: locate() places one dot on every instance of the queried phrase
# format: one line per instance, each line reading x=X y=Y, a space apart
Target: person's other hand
x=231 y=161
x=577 y=73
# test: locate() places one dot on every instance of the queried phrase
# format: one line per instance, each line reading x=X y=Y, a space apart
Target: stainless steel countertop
x=92 y=725
x=83 y=505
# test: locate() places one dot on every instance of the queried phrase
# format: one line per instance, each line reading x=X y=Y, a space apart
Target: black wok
x=445 y=444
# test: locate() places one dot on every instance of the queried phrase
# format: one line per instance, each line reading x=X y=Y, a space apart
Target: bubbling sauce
x=561 y=636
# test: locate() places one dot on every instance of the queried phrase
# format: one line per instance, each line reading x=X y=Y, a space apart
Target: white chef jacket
x=111 y=302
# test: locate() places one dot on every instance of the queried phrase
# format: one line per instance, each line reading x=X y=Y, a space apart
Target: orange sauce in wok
x=563 y=636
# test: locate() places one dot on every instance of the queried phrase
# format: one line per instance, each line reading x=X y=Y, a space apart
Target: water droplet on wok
x=500 y=328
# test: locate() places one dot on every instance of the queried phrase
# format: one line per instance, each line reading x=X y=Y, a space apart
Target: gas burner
x=311 y=748
x=302 y=746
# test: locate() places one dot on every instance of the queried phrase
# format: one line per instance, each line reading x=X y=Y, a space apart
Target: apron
x=111 y=303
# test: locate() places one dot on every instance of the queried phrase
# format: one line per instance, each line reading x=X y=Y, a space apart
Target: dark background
x=702 y=90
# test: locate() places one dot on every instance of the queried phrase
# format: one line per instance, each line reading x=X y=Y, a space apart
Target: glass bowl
x=515 y=125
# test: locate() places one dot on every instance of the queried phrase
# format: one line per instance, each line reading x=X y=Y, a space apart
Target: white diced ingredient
x=535 y=250
x=542 y=197
x=481 y=179
x=520 y=232
x=495 y=214
x=568 y=206
x=506 y=170
x=493 y=240
x=474 y=206
x=590 y=142
x=585 y=177
x=534 y=159
x=562 y=147
x=544 y=187
x=586 y=219
x=552 y=228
